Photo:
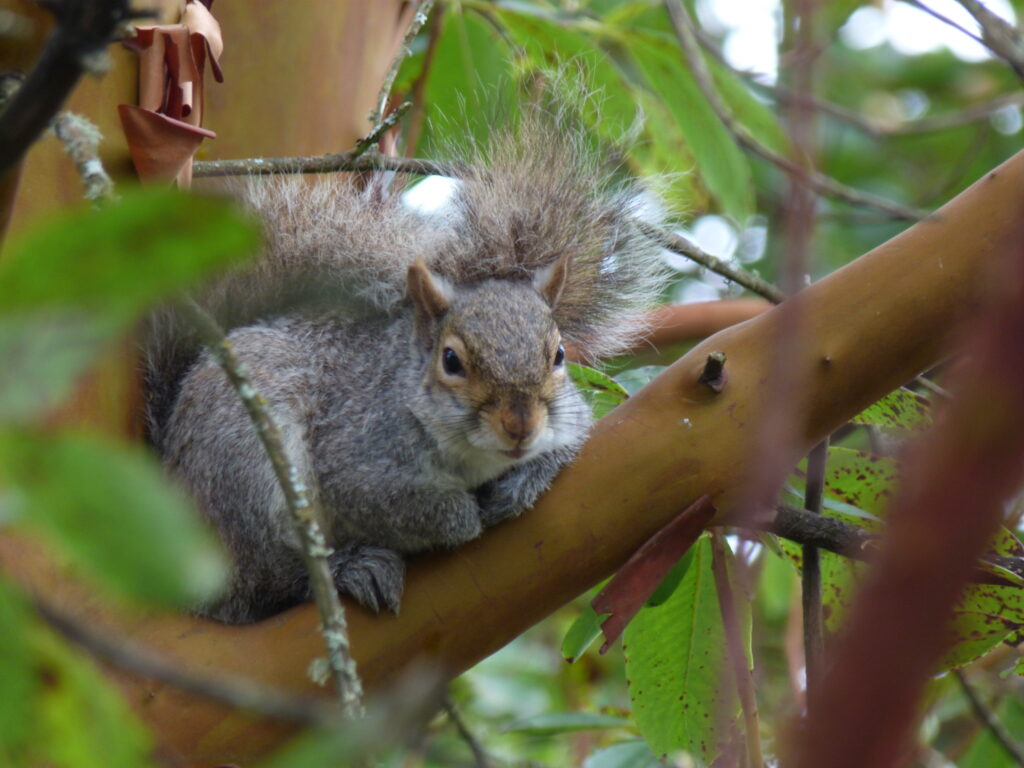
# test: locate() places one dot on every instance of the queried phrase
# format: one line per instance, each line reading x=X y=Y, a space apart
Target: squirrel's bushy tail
x=537 y=192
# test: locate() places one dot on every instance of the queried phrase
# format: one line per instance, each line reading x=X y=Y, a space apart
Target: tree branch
x=418 y=20
x=81 y=141
x=340 y=161
x=77 y=45
x=480 y=757
x=304 y=511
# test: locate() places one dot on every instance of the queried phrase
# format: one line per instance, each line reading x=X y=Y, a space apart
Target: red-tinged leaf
x=637 y=580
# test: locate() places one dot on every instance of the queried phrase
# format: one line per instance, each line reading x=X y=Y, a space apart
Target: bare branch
x=369 y=140
x=680 y=245
x=302 y=507
x=418 y=20
x=81 y=141
x=847 y=540
x=77 y=45
x=999 y=36
x=480 y=757
x=988 y=718
x=340 y=161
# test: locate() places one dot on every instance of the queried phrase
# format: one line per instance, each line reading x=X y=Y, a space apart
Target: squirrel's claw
x=374 y=576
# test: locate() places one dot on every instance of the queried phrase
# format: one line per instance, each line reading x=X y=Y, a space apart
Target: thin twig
x=480 y=757
x=81 y=141
x=235 y=692
x=820 y=183
x=418 y=20
x=998 y=35
x=339 y=161
x=77 y=45
x=369 y=140
x=814 y=645
x=680 y=245
x=990 y=721
x=945 y=20
x=735 y=652
x=301 y=505
x=880 y=128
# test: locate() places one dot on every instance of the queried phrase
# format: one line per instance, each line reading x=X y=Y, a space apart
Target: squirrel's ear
x=550 y=280
x=431 y=295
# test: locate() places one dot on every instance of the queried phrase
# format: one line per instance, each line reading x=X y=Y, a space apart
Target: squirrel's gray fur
x=347 y=325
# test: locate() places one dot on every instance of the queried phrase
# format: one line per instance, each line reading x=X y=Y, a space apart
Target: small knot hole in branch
x=713 y=376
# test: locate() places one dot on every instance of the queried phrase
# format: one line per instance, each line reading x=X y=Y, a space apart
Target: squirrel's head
x=495 y=354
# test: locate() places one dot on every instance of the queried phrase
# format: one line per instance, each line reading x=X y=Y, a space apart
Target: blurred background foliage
x=910 y=109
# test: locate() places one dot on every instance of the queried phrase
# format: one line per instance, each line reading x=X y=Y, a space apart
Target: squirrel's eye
x=559 y=356
x=451 y=363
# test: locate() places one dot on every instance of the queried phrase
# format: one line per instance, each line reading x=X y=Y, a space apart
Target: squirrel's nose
x=520 y=423
x=516 y=428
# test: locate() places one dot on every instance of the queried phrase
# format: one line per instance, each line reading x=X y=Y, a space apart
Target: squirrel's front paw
x=374 y=576
x=497 y=504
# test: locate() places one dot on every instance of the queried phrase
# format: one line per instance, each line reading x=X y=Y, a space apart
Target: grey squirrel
x=416 y=364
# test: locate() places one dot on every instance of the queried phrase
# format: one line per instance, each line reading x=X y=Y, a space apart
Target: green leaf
x=628 y=754
x=840 y=577
x=19 y=681
x=111 y=507
x=722 y=165
x=675 y=657
x=583 y=632
x=565 y=722
x=123 y=257
x=672 y=580
x=634 y=379
x=44 y=354
x=900 y=409
x=972 y=636
x=1005 y=543
x=775 y=587
x=602 y=392
x=862 y=480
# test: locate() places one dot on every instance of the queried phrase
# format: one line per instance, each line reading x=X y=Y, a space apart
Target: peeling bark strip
x=636 y=581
